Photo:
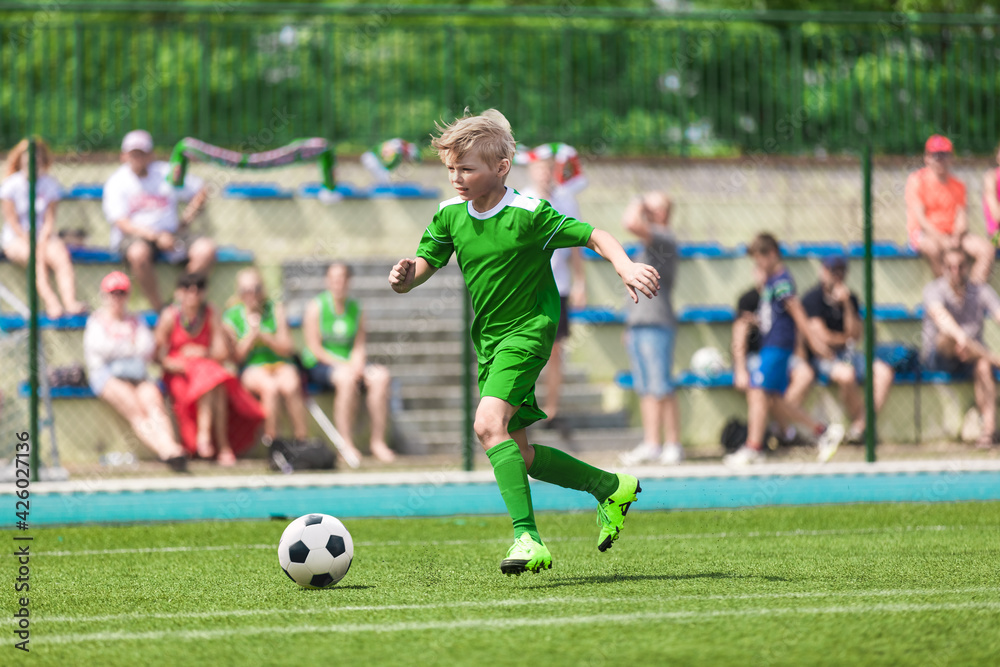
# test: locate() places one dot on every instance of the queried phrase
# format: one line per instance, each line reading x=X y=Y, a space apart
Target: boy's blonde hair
x=489 y=134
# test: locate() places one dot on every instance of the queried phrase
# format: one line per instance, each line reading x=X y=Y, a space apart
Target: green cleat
x=611 y=513
x=526 y=555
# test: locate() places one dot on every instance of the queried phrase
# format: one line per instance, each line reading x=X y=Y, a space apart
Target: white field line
x=235 y=613
x=508 y=623
x=427 y=543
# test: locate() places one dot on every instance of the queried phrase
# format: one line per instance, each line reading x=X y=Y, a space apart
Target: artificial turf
x=865 y=584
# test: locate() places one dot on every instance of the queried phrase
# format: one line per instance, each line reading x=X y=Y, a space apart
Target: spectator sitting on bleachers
x=936 y=216
x=835 y=318
x=51 y=253
x=117 y=345
x=780 y=317
x=261 y=344
x=216 y=416
x=650 y=334
x=991 y=200
x=746 y=344
x=140 y=203
x=336 y=356
x=952 y=334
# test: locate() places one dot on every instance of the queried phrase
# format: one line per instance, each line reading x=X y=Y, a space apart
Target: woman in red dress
x=217 y=416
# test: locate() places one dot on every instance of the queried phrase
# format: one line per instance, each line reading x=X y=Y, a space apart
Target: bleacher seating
x=259 y=191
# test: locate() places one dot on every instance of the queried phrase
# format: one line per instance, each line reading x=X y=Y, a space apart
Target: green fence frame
x=611 y=81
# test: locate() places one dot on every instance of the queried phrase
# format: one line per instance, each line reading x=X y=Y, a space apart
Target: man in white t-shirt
x=567 y=265
x=140 y=203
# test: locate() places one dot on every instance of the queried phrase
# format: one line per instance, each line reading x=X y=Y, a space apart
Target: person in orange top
x=936 y=218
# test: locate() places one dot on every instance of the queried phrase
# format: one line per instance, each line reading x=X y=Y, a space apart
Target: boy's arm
x=915 y=207
x=641 y=277
x=794 y=308
x=410 y=273
x=634 y=220
x=359 y=353
x=311 y=334
x=739 y=343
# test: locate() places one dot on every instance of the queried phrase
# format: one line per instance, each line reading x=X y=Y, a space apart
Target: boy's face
x=472 y=177
x=766 y=262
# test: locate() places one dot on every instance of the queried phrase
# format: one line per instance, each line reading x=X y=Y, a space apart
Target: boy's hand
x=741 y=379
x=641 y=277
x=402 y=275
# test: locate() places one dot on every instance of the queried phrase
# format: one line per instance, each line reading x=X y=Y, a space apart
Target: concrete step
x=414 y=352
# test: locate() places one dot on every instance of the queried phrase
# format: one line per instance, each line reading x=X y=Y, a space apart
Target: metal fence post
x=872 y=428
x=33 y=304
x=468 y=442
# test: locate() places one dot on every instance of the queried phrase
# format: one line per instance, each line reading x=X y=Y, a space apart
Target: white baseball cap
x=137 y=140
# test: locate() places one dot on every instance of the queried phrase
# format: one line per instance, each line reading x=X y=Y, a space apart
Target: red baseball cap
x=116 y=281
x=938 y=144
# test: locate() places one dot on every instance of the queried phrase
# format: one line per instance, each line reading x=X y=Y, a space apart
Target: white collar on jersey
x=506 y=200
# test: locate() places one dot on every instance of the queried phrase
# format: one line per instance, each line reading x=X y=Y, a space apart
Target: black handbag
x=291 y=455
x=734 y=434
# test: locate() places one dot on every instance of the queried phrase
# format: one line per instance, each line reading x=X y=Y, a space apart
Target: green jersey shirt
x=505 y=256
x=236 y=318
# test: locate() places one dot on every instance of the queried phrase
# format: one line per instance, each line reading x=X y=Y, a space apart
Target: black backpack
x=734 y=434
x=291 y=455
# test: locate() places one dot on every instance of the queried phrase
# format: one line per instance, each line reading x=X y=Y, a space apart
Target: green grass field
x=867 y=584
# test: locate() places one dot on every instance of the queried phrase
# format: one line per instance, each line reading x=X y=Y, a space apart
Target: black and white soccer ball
x=315 y=551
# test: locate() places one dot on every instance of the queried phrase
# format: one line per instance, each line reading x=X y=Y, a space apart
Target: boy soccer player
x=779 y=314
x=504 y=242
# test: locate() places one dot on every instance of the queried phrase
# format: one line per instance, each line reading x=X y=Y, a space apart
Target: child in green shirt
x=504 y=242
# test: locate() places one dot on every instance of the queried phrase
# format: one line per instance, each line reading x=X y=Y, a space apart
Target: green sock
x=512 y=478
x=557 y=467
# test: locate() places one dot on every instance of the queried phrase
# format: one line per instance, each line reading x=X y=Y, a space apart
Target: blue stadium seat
x=690 y=380
x=705 y=314
x=403 y=191
x=84 y=192
x=346 y=190
x=85 y=392
x=14 y=322
x=811 y=249
x=710 y=250
x=389 y=191
x=255 y=191
x=891 y=312
x=596 y=315
x=881 y=250
x=632 y=249
x=59 y=392
x=92 y=255
x=232 y=254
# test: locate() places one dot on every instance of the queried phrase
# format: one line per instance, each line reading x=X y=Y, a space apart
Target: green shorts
x=510 y=376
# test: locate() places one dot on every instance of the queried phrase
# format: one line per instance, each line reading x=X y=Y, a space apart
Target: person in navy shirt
x=780 y=317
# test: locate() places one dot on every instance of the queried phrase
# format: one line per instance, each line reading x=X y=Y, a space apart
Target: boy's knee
x=843 y=375
x=488 y=426
x=139 y=254
x=377 y=377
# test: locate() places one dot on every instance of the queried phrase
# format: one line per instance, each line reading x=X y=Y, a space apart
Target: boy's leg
x=509 y=467
x=547 y=464
x=527 y=553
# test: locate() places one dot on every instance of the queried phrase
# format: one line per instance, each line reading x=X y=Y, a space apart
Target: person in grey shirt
x=651 y=330
x=952 y=333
